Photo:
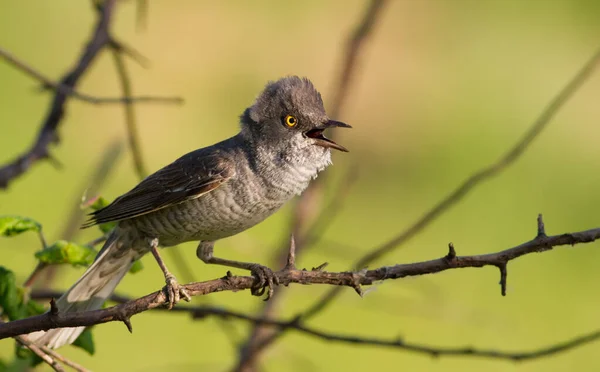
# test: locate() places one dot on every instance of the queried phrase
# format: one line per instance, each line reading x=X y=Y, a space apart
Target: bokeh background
x=442 y=89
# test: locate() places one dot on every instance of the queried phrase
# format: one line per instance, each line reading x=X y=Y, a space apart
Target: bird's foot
x=175 y=291
x=266 y=280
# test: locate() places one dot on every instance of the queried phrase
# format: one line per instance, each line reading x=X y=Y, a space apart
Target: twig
x=63 y=90
x=64 y=360
x=398 y=343
x=307 y=202
x=24 y=340
x=132 y=132
x=353 y=49
x=91 y=187
x=471 y=182
x=67 y=90
x=202 y=312
x=124 y=312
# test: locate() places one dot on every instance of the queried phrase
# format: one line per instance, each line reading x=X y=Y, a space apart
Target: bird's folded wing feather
x=189 y=177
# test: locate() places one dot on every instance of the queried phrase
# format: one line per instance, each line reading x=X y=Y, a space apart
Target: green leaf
x=63 y=252
x=14 y=225
x=10 y=301
x=34 y=308
x=86 y=341
x=97 y=204
x=137 y=266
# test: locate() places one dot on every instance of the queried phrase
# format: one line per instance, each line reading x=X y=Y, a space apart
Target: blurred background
x=442 y=89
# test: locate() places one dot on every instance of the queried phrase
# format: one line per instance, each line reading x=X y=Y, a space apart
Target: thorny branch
x=305 y=207
x=63 y=90
x=202 y=312
x=290 y=274
x=48 y=83
x=474 y=180
x=458 y=194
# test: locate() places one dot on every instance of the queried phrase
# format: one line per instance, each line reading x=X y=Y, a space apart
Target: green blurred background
x=443 y=88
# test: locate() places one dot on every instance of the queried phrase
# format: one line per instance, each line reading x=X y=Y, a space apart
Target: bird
x=210 y=194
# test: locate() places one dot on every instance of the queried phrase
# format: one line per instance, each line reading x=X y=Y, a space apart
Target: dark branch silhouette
x=48 y=83
x=290 y=274
x=203 y=312
x=63 y=90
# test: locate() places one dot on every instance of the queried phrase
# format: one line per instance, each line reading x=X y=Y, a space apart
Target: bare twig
x=63 y=360
x=353 y=49
x=63 y=90
x=400 y=344
x=132 y=132
x=68 y=90
x=25 y=341
x=124 y=312
x=202 y=312
x=471 y=182
x=305 y=207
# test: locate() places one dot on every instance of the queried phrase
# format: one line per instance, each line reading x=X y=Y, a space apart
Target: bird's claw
x=266 y=280
x=175 y=292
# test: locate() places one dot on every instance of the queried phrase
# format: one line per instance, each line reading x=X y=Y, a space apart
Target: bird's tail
x=91 y=290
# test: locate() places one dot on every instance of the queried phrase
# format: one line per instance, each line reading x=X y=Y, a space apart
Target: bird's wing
x=189 y=177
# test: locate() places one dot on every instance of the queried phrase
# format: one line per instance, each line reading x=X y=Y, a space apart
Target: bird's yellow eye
x=290 y=121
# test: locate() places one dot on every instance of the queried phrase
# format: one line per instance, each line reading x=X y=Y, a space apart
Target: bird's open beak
x=321 y=140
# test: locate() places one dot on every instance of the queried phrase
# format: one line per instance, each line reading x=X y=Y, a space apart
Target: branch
x=290 y=274
x=305 y=206
x=202 y=312
x=398 y=343
x=63 y=90
x=132 y=133
x=47 y=83
x=26 y=342
x=471 y=182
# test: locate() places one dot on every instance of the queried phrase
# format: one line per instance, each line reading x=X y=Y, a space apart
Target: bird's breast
x=240 y=203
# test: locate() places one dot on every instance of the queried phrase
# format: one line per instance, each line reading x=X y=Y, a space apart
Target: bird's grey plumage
x=213 y=192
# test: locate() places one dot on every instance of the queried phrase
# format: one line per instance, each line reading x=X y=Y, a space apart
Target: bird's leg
x=265 y=279
x=174 y=291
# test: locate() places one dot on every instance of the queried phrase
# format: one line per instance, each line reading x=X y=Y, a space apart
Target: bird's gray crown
x=288 y=95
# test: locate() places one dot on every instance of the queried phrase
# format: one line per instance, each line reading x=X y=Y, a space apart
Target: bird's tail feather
x=91 y=290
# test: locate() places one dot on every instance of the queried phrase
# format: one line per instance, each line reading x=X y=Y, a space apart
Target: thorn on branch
x=127 y=323
x=503 y=273
x=53 y=307
x=130 y=52
x=320 y=267
x=291 y=258
x=57 y=164
x=451 y=252
x=356 y=282
x=541 y=229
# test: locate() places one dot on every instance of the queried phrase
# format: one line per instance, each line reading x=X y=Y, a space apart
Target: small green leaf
x=86 y=341
x=97 y=204
x=66 y=252
x=137 y=266
x=34 y=308
x=14 y=225
x=9 y=296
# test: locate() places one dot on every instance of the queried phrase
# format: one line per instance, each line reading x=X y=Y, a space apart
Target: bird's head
x=290 y=112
